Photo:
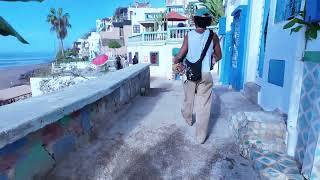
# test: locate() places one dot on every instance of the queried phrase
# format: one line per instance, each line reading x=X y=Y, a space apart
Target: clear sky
x=29 y=19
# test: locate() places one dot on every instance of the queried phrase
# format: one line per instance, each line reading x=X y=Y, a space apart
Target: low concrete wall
x=37 y=133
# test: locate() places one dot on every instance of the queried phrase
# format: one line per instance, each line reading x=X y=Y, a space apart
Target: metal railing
x=155 y=36
x=176 y=33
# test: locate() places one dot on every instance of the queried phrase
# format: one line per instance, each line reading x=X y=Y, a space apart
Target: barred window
x=136 y=28
x=287 y=9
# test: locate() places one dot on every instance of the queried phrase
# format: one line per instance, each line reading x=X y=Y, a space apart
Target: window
x=136 y=28
x=313 y=10
x=287 y=9
x=154 y=58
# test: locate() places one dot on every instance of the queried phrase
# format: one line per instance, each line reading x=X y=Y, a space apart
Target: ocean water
x=8 y=60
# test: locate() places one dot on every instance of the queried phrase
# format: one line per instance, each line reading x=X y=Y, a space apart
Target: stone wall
x=38 y=133
x=265 y=131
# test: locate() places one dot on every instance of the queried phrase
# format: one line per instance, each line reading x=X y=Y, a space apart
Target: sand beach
x=14 y=76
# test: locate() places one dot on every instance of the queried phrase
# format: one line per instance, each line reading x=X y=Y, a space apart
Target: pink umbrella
x=100 y=60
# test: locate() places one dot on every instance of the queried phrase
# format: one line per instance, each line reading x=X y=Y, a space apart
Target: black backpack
x=194 y=70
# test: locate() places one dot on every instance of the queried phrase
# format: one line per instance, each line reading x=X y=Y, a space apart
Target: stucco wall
x=164 y=69
x=314 y=45
x=254 y=35
x=282 y=46
x=47 y=128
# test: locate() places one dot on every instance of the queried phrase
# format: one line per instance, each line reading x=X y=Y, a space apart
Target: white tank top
x=196 y=44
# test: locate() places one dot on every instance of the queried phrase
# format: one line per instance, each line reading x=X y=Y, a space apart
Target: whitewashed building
x=94 y=44
x=144 y=19
x=157 y=46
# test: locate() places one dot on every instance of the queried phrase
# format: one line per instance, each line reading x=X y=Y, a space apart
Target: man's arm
x=217 y=49
x=183 y=51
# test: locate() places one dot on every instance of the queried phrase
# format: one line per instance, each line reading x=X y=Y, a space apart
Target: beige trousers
x=203 y=91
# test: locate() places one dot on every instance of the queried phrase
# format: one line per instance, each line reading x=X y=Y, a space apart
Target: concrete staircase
x=250 y=91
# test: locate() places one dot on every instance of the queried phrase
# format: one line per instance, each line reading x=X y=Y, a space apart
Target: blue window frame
x=287 y=9
x=312 y=11
x=276 y=72
x=136 y=28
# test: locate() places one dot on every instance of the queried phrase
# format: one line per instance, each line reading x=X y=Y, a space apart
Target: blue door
x=263 y=38
x=226 y=62
x=239 y=35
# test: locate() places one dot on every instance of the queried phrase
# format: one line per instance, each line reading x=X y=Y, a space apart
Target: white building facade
x=144 y=19
x=94 y=44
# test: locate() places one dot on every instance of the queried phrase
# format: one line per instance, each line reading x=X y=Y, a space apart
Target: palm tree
x=59 y=24
x=216 y=8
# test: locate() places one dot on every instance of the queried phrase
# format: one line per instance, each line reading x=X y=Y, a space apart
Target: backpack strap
x=206 y=47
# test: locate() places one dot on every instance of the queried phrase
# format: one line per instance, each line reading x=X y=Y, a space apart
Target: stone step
x=259 y=130
x=250 y=91
x=275 y=166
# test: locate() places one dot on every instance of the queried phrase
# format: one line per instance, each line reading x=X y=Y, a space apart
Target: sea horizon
x=11 y=59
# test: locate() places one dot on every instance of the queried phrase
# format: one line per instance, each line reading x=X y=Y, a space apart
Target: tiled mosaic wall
x=34 y=155
x=308 y=146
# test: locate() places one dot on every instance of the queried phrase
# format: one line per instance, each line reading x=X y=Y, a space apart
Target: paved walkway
x=149 y=140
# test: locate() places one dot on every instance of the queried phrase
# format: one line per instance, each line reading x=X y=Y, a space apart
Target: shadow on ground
x=148 y=139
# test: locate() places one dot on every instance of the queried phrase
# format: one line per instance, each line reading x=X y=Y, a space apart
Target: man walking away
x=202 y=49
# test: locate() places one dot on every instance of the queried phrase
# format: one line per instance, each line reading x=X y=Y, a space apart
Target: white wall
x=255 y=31
x=230 y=7
x=290 y=48
x=314 y=45
x=94 y=44
x=281 y=46
x=164 y=69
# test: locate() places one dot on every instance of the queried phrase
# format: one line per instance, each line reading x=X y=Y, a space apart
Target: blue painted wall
x=312 y=10
x=222 y=26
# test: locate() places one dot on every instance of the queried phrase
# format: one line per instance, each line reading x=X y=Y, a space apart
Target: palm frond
x=7 y=30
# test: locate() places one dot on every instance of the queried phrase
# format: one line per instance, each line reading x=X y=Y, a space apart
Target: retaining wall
x=37 y=133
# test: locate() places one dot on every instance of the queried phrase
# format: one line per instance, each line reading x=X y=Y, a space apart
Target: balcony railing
x=155 y=36
x=170 y=34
